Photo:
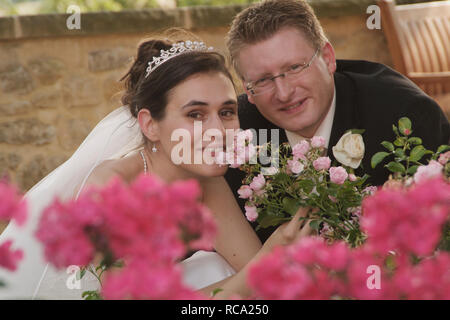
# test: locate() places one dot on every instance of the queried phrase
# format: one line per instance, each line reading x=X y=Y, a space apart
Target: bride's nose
x=215 y=123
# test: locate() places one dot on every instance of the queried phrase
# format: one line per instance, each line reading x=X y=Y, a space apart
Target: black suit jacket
x=369 y=96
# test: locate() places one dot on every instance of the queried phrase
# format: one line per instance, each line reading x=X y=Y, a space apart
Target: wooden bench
x=418 y=37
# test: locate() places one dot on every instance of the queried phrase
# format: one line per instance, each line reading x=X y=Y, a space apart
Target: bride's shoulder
x=108 y=169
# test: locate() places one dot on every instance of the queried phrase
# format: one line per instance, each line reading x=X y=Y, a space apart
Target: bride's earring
x=154 y=148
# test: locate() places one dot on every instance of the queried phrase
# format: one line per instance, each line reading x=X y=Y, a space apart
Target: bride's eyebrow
x=194 y=103
x=197 y=103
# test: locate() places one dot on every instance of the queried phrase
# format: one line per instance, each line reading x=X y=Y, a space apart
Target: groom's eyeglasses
x=267 y=84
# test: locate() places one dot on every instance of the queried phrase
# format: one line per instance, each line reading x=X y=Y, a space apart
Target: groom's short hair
x=262 y=20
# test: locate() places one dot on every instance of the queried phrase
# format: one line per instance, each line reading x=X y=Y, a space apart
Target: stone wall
x=56 y=83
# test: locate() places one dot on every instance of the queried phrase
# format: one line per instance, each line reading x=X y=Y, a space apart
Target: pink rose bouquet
x=305 y=177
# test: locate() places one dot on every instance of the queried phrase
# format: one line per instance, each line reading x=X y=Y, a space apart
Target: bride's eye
x=194 y=115
x=227 y=113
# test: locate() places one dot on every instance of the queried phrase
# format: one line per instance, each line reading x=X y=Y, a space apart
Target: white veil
x=116 y=136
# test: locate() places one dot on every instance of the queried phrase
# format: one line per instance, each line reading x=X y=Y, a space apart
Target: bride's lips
x=294 y=108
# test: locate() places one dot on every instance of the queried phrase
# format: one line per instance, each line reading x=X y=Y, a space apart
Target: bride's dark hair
x=152 y=92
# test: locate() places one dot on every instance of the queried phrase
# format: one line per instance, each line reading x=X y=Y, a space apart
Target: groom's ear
x=329 y=57
x=149 y=126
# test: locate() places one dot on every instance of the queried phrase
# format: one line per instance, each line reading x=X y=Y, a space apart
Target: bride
x=169 y=86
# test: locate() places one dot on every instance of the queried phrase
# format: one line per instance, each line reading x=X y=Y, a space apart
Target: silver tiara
x=176 y=50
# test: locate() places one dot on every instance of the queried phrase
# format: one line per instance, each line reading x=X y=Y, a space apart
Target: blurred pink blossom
x=9 y=258
x=444 y=158
x=429 y=171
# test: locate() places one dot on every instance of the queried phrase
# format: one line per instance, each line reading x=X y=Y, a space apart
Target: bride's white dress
x=119 y=135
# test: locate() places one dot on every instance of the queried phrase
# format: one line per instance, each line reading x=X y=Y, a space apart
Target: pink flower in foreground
x=429 y=171
x=407 y=221
x=245 y=192
x=11 y=204
x=139 y=281
x=251 y=213
x=258 y=182
x=301 y=149
x=398 y=223
x=62 y=230
x=428 y=280
x=295 y=166
x=338 y=175
x=322 y=163
x=9 y=258
x=298 y=271
x=444 y=158
x=318 y=142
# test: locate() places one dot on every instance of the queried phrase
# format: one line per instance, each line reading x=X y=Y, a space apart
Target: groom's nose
x=283 y=89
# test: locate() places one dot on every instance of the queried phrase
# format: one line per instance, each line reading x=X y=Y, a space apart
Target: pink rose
x=258 y=182
x=352 y=177
x=322 y=163
x=431 y=170
x=444 y=158
x=245 y=192
x=318 y=142
x=251 y=213
x=338 y=175
x=300 y=149
x=295 y=166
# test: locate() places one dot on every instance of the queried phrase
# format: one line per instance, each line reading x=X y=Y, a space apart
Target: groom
x=294 y=83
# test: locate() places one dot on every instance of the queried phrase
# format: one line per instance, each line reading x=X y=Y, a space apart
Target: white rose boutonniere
x=349 y=150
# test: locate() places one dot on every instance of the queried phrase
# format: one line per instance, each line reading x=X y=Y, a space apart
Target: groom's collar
x=324 y=129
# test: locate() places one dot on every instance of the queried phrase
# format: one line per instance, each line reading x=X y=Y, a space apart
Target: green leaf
x=80 y=274
x=395 y=167
x=415 y=140
x=91 y=295
x=395 y=129
x=315 y=224
x=270 y=221
x=417 y=153
x=388 y=145
x=443 y=148
x=357 y=131
x=403 y=124
x=216 y=291
x=290 y=205
x=399 y=153
x=306 y=185
x=400 y=142
x=412 y=170
x=377 y=158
